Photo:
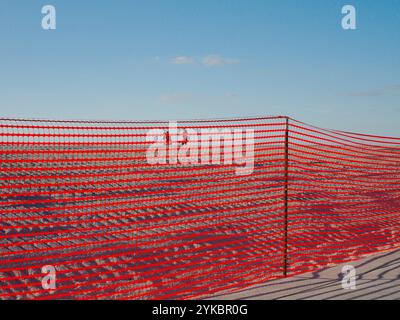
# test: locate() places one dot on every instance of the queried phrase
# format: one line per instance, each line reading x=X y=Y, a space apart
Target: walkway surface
x=378 y=277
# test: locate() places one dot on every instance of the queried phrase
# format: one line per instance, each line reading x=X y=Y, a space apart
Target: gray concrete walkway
x=378 y=277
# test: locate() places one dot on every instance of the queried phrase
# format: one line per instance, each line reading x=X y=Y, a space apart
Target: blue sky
x=179 y=59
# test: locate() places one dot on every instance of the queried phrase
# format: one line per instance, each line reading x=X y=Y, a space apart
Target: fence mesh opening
x=181 y=210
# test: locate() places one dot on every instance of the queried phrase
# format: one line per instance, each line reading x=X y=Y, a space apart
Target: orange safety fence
x=186 y=209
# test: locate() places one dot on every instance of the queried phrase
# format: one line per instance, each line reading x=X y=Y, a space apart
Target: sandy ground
x=378 y=277
x=142 y=233
x=136 y=233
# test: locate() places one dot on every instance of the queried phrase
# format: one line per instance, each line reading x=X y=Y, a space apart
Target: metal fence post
x=286 y=206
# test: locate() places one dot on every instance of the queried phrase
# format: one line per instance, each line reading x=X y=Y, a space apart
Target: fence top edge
x=345 y=133
x=199 y=121
x=88 y=121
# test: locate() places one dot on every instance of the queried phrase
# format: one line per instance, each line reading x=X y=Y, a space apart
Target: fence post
x=286 y=208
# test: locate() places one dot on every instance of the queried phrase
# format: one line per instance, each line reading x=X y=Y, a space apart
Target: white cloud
x=174 y=98
x=389 y=89
x=182 y=60
x=211 y=60
x=217 y=60
x=231 y=95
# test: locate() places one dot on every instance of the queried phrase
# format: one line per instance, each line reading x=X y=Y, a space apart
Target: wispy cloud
x=394 y=87
x=319 y=109
x=217 y=60
x=174 y=98
x=182 y=60
x=390 y=89
x=367 y=93
x=231 y=95
x=212 y=60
